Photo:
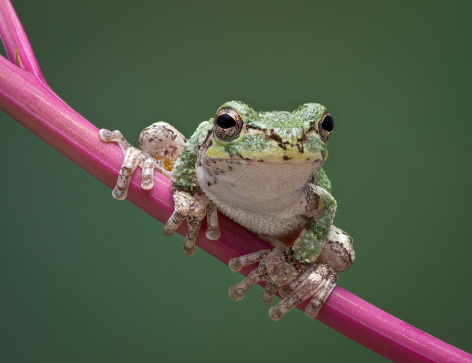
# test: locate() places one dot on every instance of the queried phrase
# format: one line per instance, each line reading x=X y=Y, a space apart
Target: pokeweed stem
x=25 y=96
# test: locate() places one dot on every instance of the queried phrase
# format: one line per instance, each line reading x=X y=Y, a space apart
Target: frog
x=264 y=170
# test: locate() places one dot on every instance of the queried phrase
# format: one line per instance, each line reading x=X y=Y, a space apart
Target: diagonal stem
x=25 y=96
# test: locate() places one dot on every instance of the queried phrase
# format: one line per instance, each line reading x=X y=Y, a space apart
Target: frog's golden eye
x=228 y=124
x=326 y=126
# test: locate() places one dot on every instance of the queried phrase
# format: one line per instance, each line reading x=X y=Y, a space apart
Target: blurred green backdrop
x=85 y=278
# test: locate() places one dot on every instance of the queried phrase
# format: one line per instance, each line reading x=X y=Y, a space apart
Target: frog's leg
x=302 y=281
x=160 y=146
x=322 y=207
x=296 y=269
x=319 y=281
x=189 y=201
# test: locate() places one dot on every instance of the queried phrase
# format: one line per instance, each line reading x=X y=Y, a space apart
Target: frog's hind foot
x=273 y=267
x=294 y=280
x=317 y=282
x=336 y=256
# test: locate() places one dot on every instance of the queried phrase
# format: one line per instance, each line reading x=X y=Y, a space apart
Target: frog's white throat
x=256 y=187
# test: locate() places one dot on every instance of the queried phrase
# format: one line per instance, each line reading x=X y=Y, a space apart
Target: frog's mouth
x=269 y=149
x=259 y=172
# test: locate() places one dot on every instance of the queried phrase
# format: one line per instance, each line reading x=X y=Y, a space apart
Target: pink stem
x=25 y=96
x=16 y=42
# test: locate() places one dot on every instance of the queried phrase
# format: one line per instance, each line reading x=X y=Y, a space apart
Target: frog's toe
x=317 y=284
x=238 y=291
x=119 y=194
x=116 y=136
x=173 y=223
x=147 y=185
x=189 y=248
x=321 y=295
x=193 y=223
x=213 y=230
x=269 y=292
x=275 y=313
x=235 y=294
x=237 y=263
x=147 y=176
x=109 y=136
x=213 y=233
x=130 y=162
x=284 y=291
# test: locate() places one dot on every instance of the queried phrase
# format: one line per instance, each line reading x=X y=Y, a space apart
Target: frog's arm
x=309 y=244
x=320 y=178
x=189 y=202
x=184 y=176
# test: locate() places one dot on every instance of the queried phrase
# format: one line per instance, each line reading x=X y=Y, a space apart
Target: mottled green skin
x=320 y=178
x=184 y=176
x=309 y=245
x=273 y=137
x=290 y=128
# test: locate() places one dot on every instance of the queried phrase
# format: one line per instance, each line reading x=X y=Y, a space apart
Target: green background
x=85 y=278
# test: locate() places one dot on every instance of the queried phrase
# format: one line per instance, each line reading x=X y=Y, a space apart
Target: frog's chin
x=248 y=185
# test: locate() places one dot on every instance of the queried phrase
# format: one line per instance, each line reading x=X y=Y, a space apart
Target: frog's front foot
x=160 y=144
x=193 y=207
x=296 y=281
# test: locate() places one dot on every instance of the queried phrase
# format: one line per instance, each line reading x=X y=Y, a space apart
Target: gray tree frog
x=264 y=171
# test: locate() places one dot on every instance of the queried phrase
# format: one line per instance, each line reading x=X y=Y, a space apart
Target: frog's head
x=276 y=137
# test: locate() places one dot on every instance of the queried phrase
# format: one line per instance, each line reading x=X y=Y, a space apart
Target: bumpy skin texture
x=264 y=171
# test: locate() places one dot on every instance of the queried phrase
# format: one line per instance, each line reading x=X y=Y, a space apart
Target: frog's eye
x=326 y=126
x=228 y=124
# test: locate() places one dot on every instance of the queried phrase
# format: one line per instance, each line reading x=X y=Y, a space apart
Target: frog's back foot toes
x=237 y=263
x=238 y=291
x=269 y=292
x=316 y=303
x=234 y=294
x=234 y=264
x=317 y=284
x=275 y=313
x=284 y=291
